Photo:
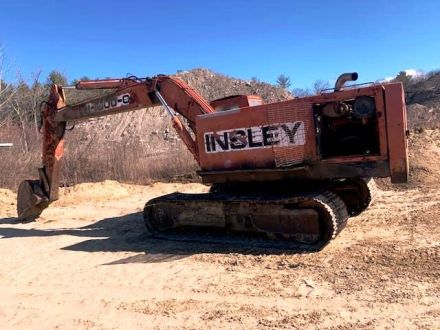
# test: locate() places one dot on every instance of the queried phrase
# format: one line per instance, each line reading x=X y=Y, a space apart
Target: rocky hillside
x=213 y=86
x=423 y=100
x=425 y=91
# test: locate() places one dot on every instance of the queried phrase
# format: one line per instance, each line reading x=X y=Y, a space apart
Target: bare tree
x=36 y=96
x=6 y=89
x=320 y=85
x=19 y=102
x=301 y=92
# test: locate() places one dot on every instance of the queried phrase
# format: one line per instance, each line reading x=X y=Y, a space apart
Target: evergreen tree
x=56 y=77
x=404 y=78
x=283 y=81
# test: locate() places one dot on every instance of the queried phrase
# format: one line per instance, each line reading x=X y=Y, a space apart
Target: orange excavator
x=295 y=170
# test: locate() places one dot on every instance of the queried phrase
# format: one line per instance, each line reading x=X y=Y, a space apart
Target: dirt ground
x=88 y=263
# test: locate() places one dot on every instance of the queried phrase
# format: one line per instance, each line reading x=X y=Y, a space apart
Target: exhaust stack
x=343 y=78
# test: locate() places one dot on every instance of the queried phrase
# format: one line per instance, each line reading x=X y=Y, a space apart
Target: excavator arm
x=128 y=94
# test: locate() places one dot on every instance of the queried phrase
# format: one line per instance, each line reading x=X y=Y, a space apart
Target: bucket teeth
x=31 y=200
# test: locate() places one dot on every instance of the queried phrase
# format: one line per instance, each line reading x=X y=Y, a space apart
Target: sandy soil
x=88 y=263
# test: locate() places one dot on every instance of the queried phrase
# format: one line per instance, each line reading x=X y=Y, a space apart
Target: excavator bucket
x=31 y=200
x=35 y=195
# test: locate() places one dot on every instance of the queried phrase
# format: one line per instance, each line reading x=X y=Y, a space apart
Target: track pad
x=300 y=224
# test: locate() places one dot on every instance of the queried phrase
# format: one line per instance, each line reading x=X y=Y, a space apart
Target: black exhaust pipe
x=343 y=78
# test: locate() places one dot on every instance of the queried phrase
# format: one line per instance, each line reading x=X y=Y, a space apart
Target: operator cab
x=236 y=102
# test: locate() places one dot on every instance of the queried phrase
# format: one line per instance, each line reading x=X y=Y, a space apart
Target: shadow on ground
x=128 y=234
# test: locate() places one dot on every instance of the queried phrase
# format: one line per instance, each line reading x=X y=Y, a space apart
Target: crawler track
x=357 y=193
x=300 y=221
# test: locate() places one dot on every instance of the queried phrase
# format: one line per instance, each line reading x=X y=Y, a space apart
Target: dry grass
x=97 y=160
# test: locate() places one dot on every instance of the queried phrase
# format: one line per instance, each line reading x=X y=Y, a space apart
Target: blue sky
x=305 y=40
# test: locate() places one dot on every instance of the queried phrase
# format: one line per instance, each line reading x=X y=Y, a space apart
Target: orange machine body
x=350 y=132
x=300 y=139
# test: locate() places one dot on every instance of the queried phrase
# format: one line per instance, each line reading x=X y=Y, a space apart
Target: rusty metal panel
x=397 y=132
x=294 y=112
x=381 y=118
x=321 y=170
x=265 y=136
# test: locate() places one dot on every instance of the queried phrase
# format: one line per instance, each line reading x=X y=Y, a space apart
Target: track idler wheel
x=156 y=219
x=31 y=200
x=357 y=193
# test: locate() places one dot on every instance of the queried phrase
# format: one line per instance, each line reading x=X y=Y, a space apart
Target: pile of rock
x=213 y=86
